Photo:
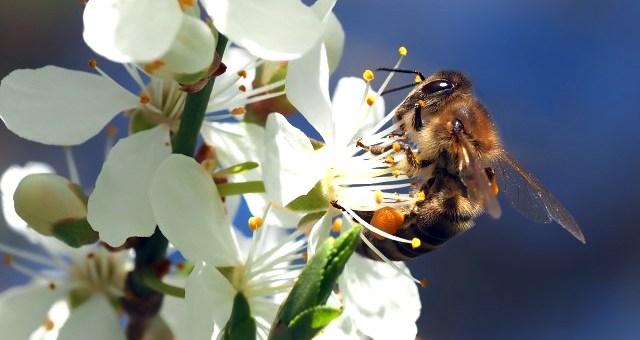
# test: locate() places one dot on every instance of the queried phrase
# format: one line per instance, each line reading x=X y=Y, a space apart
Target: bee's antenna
x=398 y=88
x=399 y=70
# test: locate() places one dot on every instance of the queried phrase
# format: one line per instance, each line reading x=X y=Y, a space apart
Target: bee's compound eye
x=457 y=126
x=437 y=86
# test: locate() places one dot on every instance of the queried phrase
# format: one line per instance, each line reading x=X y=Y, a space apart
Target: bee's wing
x=475 y=178
x=530 y=197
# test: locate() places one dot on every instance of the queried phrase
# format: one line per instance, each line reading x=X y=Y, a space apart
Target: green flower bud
x=54 y=206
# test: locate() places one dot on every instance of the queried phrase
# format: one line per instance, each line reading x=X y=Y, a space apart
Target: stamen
x=52 y=285
x=418 y=79
x=111 y=132
x=186 y=3
x=337 y=225
x=48 y=324
x=396 y=173
x=396 y=147
x=387 y=261
x=423 y=283
x=93 y=63
x=145 y=99
x=422 y=103
x=242 y=88
x=154 y=66
x=378 y=196
x=368 y=75
x=402 y=51
x=371 y=99
x=238 y=111
x=71 y=165
x=255 y=222
x=25 y=255
x=374 y=229
x=242 y=73
x=209 y=165
x=420 y=196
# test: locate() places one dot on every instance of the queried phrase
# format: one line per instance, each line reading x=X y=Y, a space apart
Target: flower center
x=98 y=272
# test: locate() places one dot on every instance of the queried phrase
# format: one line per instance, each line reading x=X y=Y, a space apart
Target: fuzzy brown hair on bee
x=454 y=153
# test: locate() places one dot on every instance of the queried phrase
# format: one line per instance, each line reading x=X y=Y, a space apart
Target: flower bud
x=54 y=206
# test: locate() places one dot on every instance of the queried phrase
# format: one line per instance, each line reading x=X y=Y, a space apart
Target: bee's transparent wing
x=529 y=197
x=475 y=178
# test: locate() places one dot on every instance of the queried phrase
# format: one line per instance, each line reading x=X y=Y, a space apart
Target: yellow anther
x=209 y=165
x=255 y=222
x=415 y=243
x=242 y=88
x=396 y=173
x=378 y=196
x=242 y=73
x=421 y=196
x=153 y=66
x=112 y=131
x=180 y=266
x=423 y=283
x=414 y=183
x=93 y=63
x=144 y=99
x=422 y=103
x=396 y=147
x=368 y=75
x=48 y=324
x=8 y=260
x=371 y=99
x=238 y=111
x=402 y=51
x=418 y=79
x=390 y=160
x=52 y=285
x=337 y=225
x=186 y=3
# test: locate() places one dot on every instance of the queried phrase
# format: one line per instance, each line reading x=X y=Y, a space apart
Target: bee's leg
x=417 y=117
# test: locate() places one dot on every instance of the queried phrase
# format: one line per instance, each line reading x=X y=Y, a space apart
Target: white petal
x=119 y=206
x=53 y=105
x=341 y=328
x=270 y=29
x=95 y=319
x=383 y=303
x=350 y=110
x=333 y=41
x=209 y=297
x=8 y=184
x=191 y=214
x=113 y=28
x=291 y=167
x=243 y=142
x=174 y=313
x=24 y=308
x=307 y=86
x=319 y=232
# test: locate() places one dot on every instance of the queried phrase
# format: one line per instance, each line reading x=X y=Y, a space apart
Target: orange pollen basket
x=387 y=219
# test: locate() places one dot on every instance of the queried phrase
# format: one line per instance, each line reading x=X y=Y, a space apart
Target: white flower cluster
x=165 y=47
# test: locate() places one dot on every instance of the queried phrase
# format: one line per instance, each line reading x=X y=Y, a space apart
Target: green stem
x=230 y=189
x=150 y=278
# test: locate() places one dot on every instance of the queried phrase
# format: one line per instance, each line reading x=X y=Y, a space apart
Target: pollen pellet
x=255 y=222
x=402 y=51
x=238 y=111
x=378 y=196
x=368 y=75
x=387 y=219
x=337 y=225
x=48 y=324
x=370 y=100
x=93 y=63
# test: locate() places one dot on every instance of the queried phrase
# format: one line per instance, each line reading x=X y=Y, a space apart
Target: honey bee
x=453 y=148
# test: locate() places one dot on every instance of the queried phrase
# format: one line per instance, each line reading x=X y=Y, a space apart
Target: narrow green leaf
x=75 y=233
x=310 y=322
x=230 y=189
x=241 y=325
x=308 y=220
x=236 y=169
x=344 y=246
x=315 y=200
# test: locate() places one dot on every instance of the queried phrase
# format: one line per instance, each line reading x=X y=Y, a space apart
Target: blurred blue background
x=561 y=80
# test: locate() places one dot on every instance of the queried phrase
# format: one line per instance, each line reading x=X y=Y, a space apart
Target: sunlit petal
x=53 y=105
x=119 y=206
x=95 y=319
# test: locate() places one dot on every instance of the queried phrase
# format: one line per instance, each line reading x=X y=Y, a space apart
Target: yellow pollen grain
x=48 y=325
x=242 y=73
x=52 y=285
x=396 y=173
x=255 y=222
x=153 y=66
x=415 y=243
x=423 y=283
x=8 y=260
x=186 y=3
x=93 y=63
x=422 y=103
x=112 y=131
x=396 y=147
x=337 y=225
x=368 y=75
x=238 y=111
x=144 y=99
x=242 y=88
x=402 y=51
x=378 y=196
x=371 y=99
x=421 y=196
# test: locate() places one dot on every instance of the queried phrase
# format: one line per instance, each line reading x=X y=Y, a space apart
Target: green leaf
x=315 y=284
x=241 y=325
x=308 y=220
x=310 y=322
x=315 y=200
x=236 y=169
x=230 y=189
x=75 y=233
